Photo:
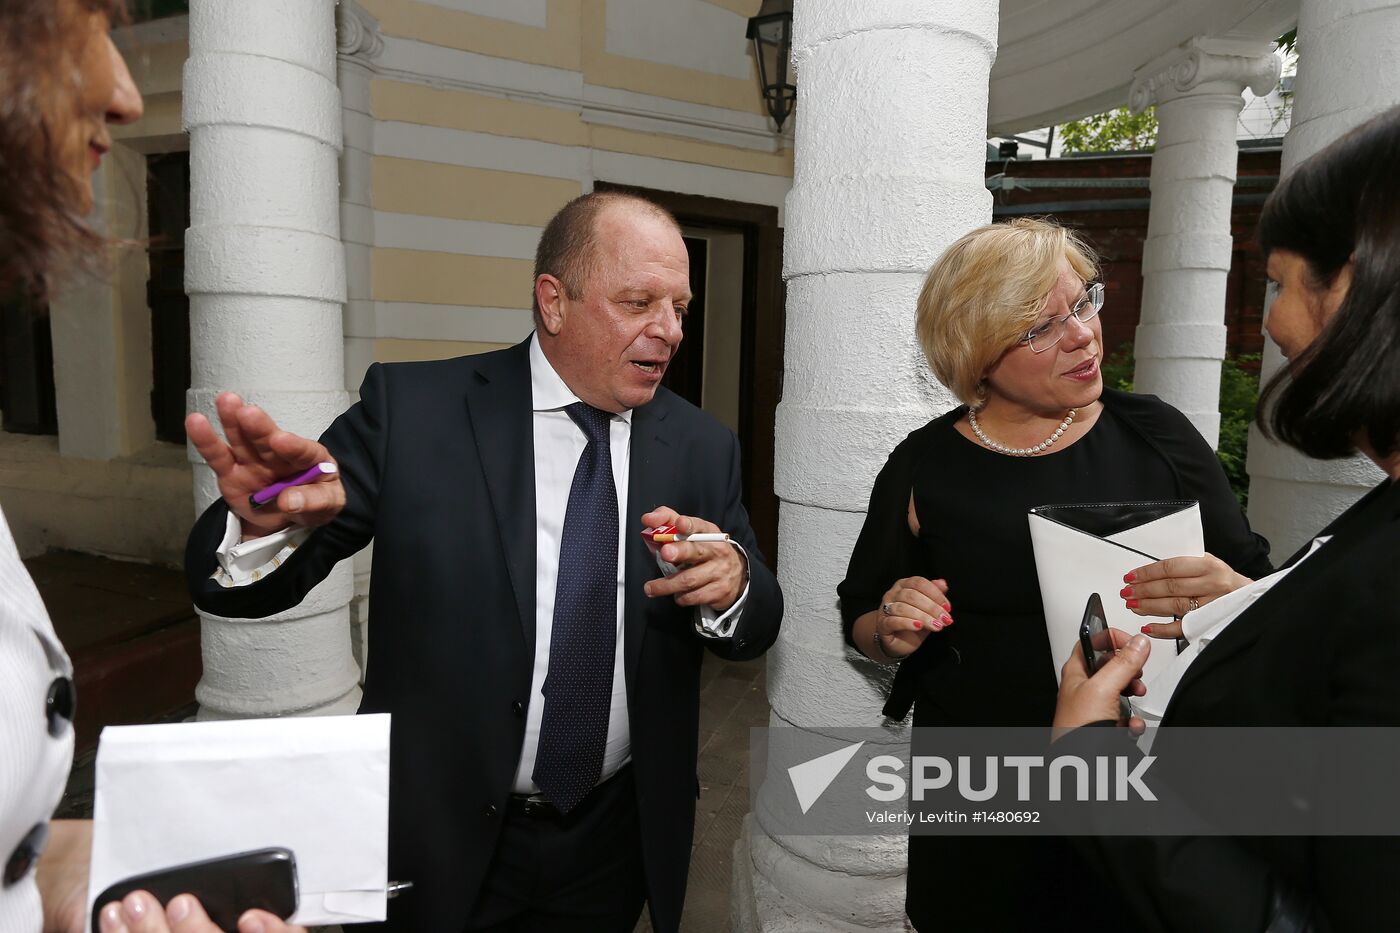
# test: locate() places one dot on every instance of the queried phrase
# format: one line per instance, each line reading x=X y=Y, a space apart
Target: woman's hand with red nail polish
x=1171 y=588
x=911 y=609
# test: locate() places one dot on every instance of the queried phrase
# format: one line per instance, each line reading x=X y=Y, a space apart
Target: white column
x=358 y=42
x=890 y=143
x=266 y=277
x=1186 y=258
x=1346 y=74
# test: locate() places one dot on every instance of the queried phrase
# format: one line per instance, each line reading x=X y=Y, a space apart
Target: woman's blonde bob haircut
x=986 y=291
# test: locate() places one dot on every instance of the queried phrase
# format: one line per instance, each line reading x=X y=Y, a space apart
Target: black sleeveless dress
x=993 y=666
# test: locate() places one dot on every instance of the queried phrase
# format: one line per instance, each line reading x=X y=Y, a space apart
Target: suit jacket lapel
x=651 y=465
x=499 y=405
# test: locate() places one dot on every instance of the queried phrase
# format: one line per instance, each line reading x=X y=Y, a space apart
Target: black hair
x=1342 y=205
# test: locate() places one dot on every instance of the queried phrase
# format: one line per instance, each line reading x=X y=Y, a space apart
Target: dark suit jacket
x=438 y=465
x=1321 y=648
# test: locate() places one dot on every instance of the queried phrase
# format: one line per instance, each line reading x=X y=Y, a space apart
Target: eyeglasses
x=1044 y=336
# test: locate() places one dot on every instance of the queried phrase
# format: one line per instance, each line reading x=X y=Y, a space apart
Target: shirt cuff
x=250 y=561
x=710 y=623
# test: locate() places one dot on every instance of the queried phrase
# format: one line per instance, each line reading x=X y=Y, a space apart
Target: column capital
x=357 y=34
x=1206 y=65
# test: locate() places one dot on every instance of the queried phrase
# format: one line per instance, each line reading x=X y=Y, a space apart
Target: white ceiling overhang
x=1059 y=60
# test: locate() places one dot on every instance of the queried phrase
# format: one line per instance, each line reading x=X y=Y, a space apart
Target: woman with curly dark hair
x=62 y=84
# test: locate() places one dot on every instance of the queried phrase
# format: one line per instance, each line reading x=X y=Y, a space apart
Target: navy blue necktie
x=583 y=641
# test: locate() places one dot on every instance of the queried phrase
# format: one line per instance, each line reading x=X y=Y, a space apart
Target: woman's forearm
x=62 y=876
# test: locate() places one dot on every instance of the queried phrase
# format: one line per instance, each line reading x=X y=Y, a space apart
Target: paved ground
x=733 y=697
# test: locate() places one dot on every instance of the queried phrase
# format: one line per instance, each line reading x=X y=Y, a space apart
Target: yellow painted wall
x=451 y=279
x=573 y=39
x=432 y=189
x=388 y=350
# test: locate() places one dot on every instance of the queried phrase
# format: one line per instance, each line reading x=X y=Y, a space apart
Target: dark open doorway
x=685 y=374
x=731 y=360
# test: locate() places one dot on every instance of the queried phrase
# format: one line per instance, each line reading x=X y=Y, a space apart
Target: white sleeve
x=241 y=563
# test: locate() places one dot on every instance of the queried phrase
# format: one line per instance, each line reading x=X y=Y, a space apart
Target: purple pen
x=263 y=496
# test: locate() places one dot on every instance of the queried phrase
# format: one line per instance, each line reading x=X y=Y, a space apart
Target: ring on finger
x=887 y=609
x=1194 y=603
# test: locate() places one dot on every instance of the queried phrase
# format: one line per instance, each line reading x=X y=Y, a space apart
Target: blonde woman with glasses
x=1009 y=320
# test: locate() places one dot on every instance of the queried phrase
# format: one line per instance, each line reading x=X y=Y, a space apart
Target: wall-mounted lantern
x=771 y=33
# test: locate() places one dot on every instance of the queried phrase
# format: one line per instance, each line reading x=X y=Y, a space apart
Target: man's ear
x=549 y=297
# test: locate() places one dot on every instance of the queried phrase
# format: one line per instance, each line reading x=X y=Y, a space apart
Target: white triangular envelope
x=1085 y=549
x=171 y=794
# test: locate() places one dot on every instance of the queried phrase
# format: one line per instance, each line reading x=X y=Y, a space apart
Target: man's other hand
x=711 y=573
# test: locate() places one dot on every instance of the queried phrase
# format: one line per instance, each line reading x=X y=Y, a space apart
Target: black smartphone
x=1097 y=644
x=265 y=879
x=1094 y=639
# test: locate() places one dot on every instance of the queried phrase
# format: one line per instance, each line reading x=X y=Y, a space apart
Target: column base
x=757 y=905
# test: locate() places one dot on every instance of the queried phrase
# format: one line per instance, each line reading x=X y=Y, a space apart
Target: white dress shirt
x=558 y=444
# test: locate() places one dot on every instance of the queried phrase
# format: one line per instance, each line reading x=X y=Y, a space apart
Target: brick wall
x=1114 y=221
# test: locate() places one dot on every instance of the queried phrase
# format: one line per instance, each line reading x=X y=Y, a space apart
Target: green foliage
x=1117 y=368
x=1115 y=131
x=1239 y=391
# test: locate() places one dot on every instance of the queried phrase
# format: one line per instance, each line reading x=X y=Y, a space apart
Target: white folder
x=184 y=792
x=1086 y=549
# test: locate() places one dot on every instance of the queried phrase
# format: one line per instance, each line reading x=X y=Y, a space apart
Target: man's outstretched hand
x=253 y=454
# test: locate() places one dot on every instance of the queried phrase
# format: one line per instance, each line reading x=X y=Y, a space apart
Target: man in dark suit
x=542 y=673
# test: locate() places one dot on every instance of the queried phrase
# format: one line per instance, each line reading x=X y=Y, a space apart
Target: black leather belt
x=537 y=807
x=534 y=806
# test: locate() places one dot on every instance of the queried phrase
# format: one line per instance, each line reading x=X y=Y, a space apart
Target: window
x=142 y=10
x=168 y=210
x=26 y=368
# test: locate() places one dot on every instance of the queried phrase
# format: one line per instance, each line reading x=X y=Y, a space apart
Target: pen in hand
x=269 y=493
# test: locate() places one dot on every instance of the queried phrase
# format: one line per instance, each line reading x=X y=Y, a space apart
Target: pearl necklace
x=1019 y=451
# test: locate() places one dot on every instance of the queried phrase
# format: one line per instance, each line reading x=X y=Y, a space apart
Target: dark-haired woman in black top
x=1325 y=636
x=942 y=578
